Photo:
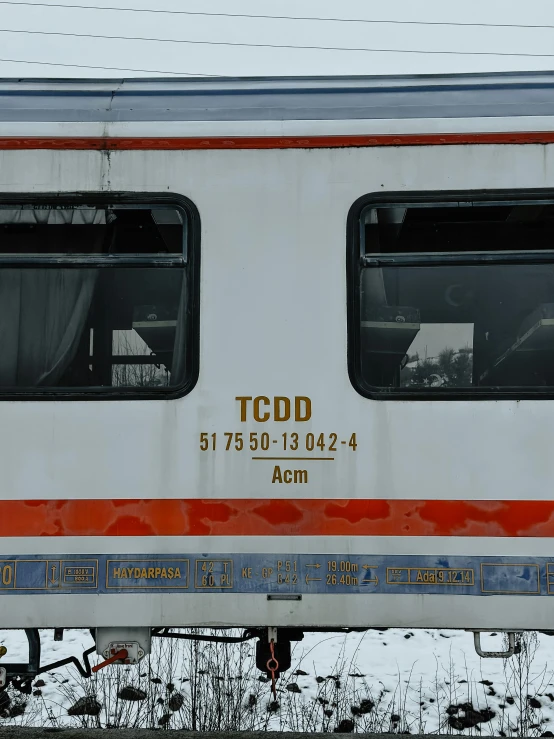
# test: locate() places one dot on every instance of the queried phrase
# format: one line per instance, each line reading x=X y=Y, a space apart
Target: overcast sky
x=245 y=61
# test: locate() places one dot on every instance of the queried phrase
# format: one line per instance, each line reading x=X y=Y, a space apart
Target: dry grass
x=203 y=686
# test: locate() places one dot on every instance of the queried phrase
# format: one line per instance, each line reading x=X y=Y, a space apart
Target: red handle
x=122 y=654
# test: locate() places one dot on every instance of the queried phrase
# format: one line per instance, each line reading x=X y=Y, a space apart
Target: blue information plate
x=293 y=574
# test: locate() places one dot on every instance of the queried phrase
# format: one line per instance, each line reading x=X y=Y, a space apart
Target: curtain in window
x=43 y=312
x=178 y=361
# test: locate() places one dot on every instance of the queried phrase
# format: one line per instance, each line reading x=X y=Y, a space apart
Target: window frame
x=190 y=259
x=354 y=266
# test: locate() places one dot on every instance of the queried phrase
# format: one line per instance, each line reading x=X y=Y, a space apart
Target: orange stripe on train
x=276 y=517
x=273 y=142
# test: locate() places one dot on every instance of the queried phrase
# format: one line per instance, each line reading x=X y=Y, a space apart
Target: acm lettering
x=297 y=477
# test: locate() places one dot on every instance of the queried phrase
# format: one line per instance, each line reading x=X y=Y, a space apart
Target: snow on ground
x=412 y=676
x=425 y=671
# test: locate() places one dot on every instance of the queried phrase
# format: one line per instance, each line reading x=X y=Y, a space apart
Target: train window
x=453 y=298
x=96 y=297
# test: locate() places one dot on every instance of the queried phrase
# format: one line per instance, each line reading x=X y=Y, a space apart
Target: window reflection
x=484 y=323
x=92 y=299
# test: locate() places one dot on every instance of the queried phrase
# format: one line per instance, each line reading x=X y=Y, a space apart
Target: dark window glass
x=458 y=296
x=94 y=299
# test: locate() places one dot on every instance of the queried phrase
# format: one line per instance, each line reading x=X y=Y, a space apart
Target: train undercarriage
x=129 y=646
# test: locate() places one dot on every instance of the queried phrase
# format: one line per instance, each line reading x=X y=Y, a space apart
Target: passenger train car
x=276 y=353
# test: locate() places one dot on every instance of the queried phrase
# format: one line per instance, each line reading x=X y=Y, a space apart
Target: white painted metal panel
x=273 y=322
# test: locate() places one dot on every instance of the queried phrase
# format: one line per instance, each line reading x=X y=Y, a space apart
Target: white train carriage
x=276 y=353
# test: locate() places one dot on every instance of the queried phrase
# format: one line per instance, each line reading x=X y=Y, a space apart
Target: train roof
x=278 y=98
